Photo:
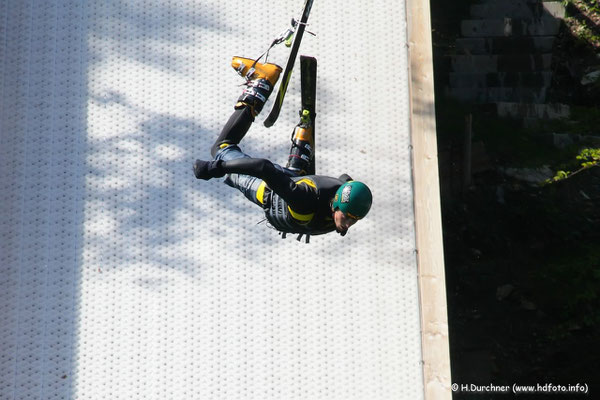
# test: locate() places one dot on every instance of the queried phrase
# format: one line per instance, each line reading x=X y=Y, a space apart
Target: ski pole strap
x=285 y=36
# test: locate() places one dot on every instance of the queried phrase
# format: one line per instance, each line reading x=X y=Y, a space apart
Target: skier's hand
x=208 y=169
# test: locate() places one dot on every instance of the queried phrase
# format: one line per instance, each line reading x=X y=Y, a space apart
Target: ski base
x=308 y=77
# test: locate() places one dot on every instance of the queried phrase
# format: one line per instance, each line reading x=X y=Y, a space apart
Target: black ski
x=308 y=77
x=287 y=73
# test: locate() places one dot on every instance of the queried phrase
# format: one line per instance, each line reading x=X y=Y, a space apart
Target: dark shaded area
x=522 y=260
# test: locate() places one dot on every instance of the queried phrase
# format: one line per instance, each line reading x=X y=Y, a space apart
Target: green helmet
x=354 y=199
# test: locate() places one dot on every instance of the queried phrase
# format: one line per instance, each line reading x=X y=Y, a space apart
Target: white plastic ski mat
x=124 y=277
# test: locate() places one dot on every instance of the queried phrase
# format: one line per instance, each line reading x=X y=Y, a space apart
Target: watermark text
x=515 y=388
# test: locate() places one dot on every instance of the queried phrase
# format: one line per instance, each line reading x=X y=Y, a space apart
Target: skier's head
x=352 y=202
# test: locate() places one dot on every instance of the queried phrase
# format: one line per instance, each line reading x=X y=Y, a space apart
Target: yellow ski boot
x=303 y=145
x=261 y=78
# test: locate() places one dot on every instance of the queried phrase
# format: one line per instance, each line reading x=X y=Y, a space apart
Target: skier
x=293 y=201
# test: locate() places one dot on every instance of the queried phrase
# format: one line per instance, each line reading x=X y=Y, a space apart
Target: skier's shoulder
x=321 y=182
x=319 y=178
x=345 y=178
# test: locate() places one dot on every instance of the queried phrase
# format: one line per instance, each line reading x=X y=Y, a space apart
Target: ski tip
x=270 y=120
x=308 y=58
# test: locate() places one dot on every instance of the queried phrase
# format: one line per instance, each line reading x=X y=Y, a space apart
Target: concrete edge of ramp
x=428 y=224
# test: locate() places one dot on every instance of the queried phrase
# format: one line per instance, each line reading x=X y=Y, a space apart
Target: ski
x=308 y=79
x=287 y=73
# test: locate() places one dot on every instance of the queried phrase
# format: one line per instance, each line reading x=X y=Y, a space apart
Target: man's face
x=342 y=221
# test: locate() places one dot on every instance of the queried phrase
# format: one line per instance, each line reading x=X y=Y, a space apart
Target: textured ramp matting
x=123 y=277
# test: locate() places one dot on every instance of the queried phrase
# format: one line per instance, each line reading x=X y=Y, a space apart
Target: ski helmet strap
x=348 y=214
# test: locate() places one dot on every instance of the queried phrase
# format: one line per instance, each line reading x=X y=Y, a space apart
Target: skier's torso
x=312 y=217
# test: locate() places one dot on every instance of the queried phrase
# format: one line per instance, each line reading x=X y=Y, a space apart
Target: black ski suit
x=292 y=204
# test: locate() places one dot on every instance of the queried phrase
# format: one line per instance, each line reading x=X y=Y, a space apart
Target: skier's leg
x=261 y=79
x=302 y=150
x=248 y=185
x=252 y=187
x=226 y=148
x=234 y=130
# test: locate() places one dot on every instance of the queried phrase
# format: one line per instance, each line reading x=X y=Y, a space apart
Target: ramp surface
x=123 y=277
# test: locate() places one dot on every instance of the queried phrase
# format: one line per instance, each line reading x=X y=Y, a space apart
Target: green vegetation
x=588 y=158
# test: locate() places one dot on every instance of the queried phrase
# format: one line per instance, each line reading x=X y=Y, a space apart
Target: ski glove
x=208 y=169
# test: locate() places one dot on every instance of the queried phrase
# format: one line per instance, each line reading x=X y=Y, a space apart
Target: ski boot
x=303 y=145
x=261 y=79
